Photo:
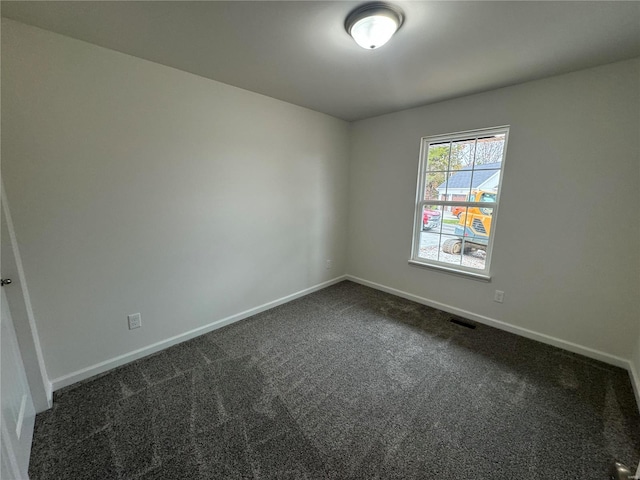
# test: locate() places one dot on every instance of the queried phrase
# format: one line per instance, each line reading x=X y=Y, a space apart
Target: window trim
x=419 y=202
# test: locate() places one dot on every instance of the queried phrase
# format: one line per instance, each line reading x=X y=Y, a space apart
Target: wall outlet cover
x=135 y=321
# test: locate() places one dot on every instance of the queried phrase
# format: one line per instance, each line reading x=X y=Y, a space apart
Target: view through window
x=457 y=199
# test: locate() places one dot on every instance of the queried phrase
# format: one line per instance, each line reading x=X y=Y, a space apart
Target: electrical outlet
x=327 y=264
x=499 y=296
x=135 y=321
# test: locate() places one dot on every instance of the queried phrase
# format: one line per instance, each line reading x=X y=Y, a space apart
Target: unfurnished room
x=320 y=240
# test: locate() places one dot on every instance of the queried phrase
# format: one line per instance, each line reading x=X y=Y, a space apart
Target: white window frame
x=425 y=142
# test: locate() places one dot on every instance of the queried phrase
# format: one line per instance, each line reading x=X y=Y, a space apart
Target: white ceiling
x=299 y=51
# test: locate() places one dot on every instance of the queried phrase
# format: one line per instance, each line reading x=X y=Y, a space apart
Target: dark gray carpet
x=345 y=383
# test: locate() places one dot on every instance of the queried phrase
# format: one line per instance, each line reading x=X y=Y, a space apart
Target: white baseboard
x=88 y=372
x=49 y=390
x=523 y=332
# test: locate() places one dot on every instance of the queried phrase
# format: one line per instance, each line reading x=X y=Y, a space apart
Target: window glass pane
x=475 y=226
x=433 y=189
x=429 y=245
x=487 y=197
x=485 y=180
x=449 y=250
x=457 y=211
x=459 y=185
x=438 y=158
x=473 y=258
x=489 y=152
x=431 y=218
x=453 y=221
x=462 y=154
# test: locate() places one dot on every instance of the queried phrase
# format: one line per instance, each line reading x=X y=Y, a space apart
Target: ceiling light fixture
x=372 y=25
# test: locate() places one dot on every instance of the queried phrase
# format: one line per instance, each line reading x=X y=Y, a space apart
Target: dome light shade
x=373 y=24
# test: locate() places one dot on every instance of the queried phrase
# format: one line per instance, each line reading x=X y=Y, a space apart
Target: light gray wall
x=566 y=247
x=135 y=187
x=139 y=188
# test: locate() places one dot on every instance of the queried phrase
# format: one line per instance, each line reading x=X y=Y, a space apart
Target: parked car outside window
x=431 y=219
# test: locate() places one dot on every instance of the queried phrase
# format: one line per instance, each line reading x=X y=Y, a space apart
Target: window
x=457 y=199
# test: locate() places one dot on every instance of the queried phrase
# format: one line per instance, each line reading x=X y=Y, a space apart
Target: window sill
x=476 y=276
